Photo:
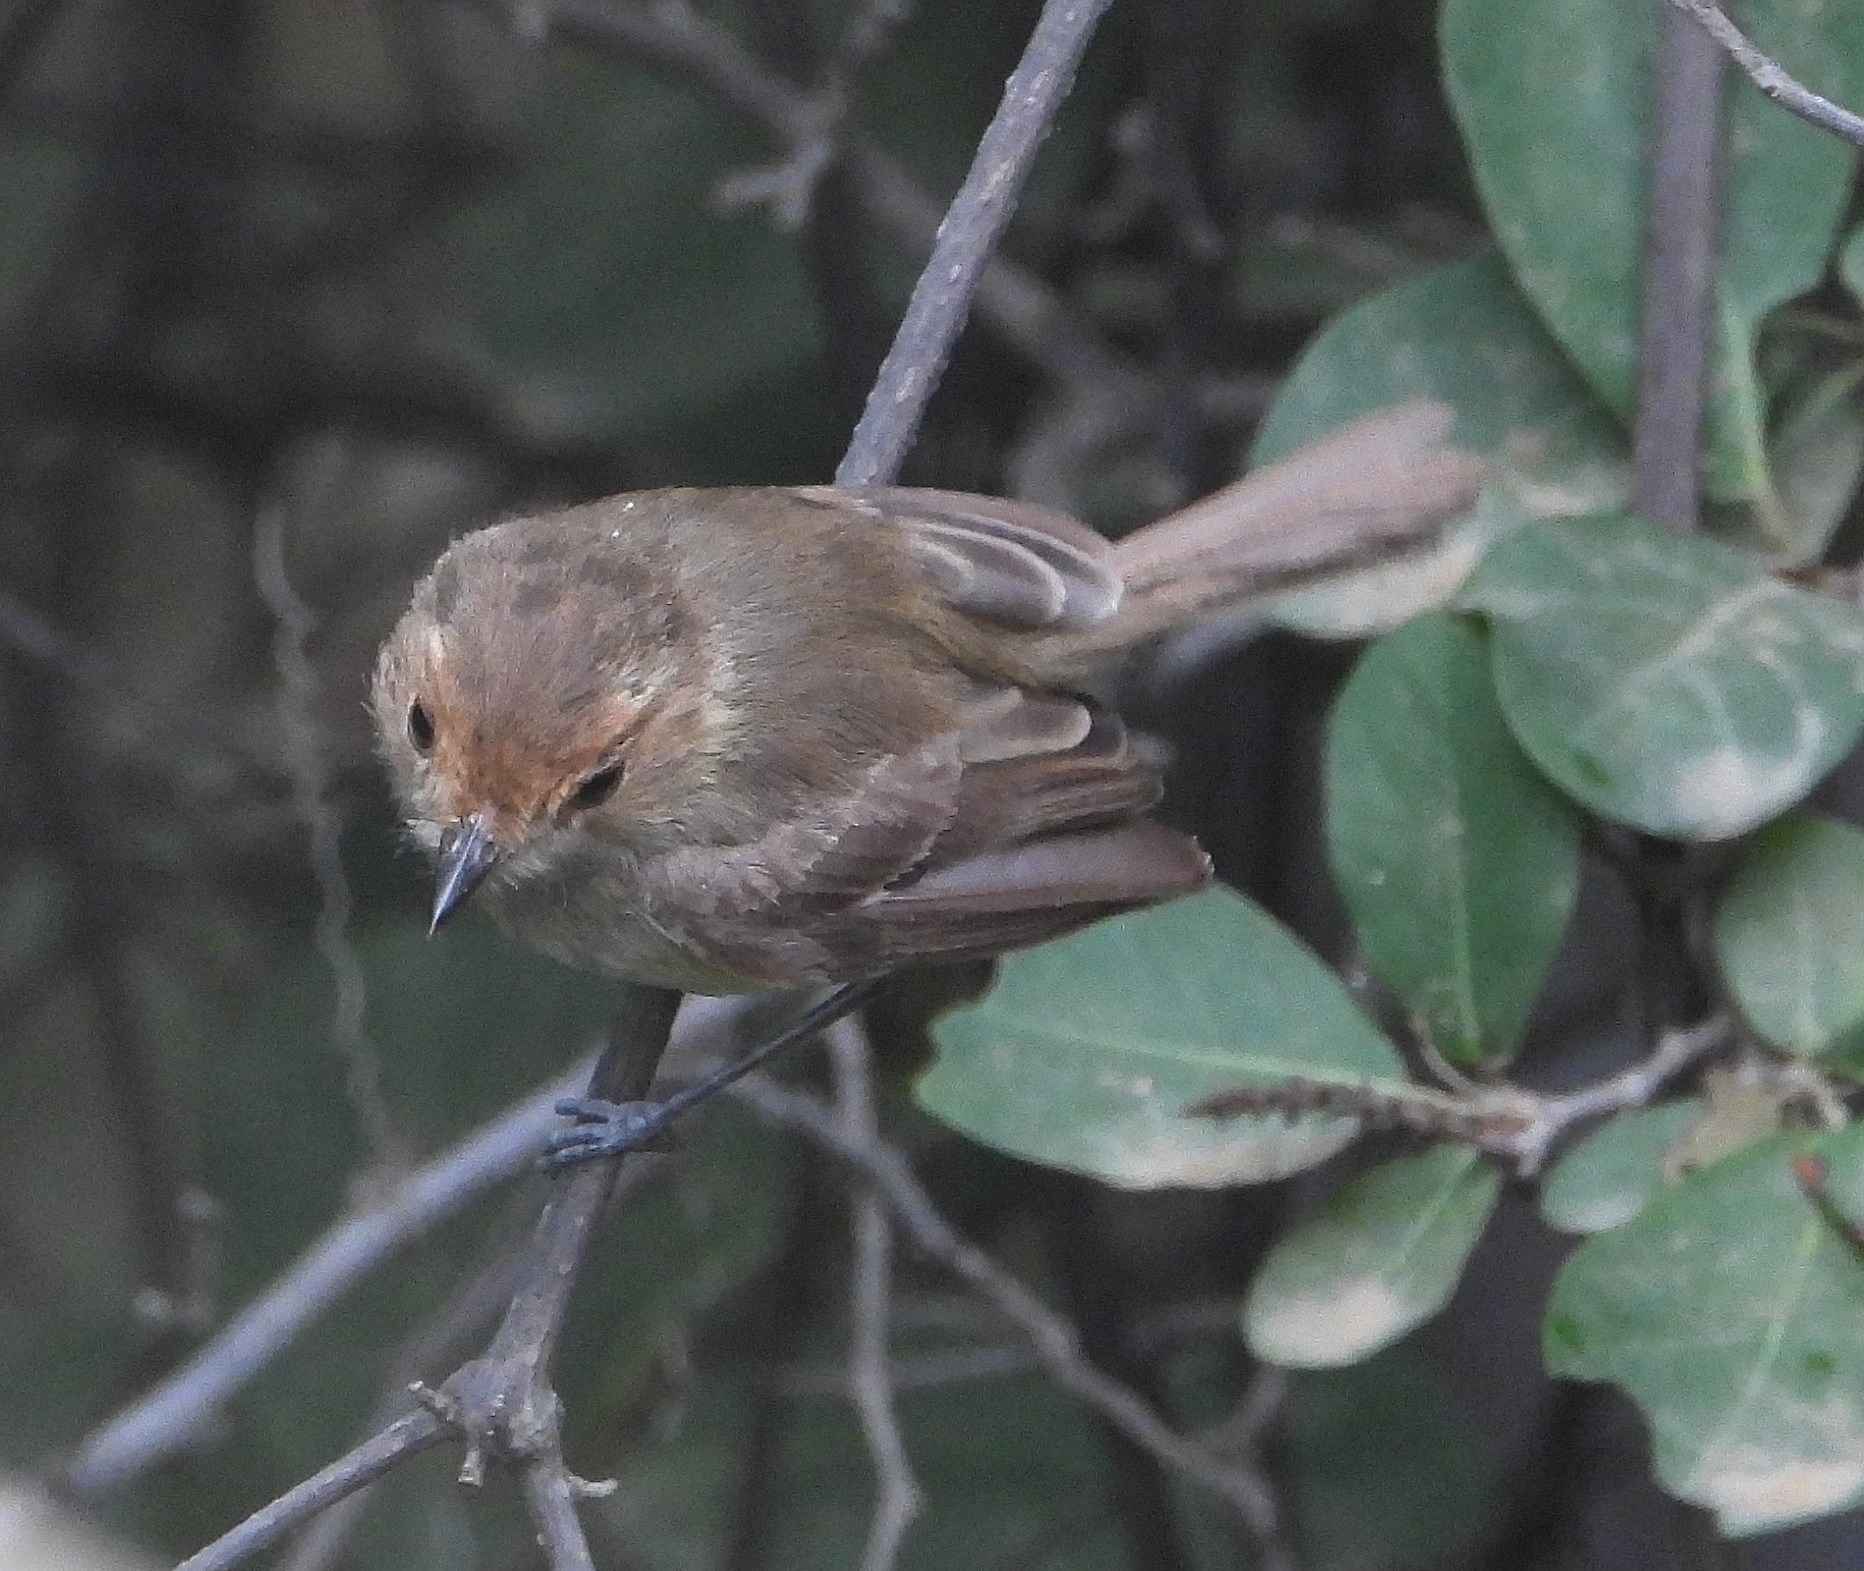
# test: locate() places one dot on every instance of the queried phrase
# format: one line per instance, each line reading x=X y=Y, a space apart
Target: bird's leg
x=610 y=1129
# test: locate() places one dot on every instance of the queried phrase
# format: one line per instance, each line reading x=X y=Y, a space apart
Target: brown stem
x=1678 y=281
x=942 y=297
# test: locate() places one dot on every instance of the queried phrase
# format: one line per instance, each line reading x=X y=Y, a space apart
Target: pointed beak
x=467 y=852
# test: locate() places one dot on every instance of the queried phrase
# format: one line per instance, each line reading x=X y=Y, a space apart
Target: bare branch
x=898 y=1499
x=1053 y=1337
x=552 y=1498
x=1676 y=322
x=676 y=39
x=178 y=1410
x=369 y=1461
x=307 y=758
x=1765 y=74
x=1520 y=1127
x=942 y=297
x=1547 y=1118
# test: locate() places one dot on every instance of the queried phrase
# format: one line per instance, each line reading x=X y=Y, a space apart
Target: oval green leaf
x=1383 y=1255
x=1611 y=1174
x=1573 y=226
x=1463 y=334
x=1458 y=862
x=1731 y=1310
x=1789 y=934
x=1665 y=682
x=1088 y=1050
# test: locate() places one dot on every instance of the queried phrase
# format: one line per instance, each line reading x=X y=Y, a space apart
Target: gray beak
x=467 y=852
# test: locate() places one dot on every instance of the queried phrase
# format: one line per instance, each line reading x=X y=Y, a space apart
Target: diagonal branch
x=1786 y=91
x=942 y=297
x=1053 y=1337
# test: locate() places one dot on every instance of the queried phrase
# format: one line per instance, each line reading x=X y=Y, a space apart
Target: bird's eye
x=420 y=726
x=598 y=788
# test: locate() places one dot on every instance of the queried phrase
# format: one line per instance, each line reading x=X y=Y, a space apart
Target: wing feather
x=1008 y=562
x=1015 y=828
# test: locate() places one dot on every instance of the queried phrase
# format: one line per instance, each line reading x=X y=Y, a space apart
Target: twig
x=1546 y=1118
x=502 y=1404
x=467 y=1313
x=898 y=1498
x=405 y=1437
x=1675 y=325
x=1516 y=1125
x=789 y=186
x=1053 y=1337
x=179 y=1410
x=307 y=758
x=1784 y=90
x=175 y=1413
x=942 y=297
x=679 y=41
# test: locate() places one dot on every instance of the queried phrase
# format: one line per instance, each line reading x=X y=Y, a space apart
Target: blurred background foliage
x=318 y=285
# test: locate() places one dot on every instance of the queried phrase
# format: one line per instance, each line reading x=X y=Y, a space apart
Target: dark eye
x=420 y=726
x=598 y=788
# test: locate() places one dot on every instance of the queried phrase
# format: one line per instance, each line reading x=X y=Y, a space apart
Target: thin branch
x=1053 y=1336
x=179 y=1410
x=407 y=1436
x=942 y=297
x=465 y=1316
x=1677 y=319
x=502 y=1404
x=678 y=41
x=307 y=758
x=503 y=1400
x=1784 y=90
x=551 y=1494
x=1547 y=1118
x=788 y=187
x=898 y=1498
x=1518 y=1126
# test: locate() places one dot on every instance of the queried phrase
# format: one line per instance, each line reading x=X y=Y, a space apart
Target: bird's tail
x=1355 y=495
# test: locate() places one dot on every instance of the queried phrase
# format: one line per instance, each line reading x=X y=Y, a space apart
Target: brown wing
x=1005 y=833
x=1010 y=896
x=1008 y=562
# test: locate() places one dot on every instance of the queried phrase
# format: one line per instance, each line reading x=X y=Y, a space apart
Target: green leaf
x=1665 y=682
x=1460 y=866
x=1573 y=225
x=1461 y=333
x=1851 y=262
x=1087 y=1051
x=1789 y=935
x=1818 y=457
x=1732 y=1312
x=1611 y=1174
x=1383 y=1256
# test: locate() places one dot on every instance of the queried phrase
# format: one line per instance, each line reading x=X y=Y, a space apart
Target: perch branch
x=942 y=297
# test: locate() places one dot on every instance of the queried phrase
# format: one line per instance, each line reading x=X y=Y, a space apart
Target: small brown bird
x=720 y=740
